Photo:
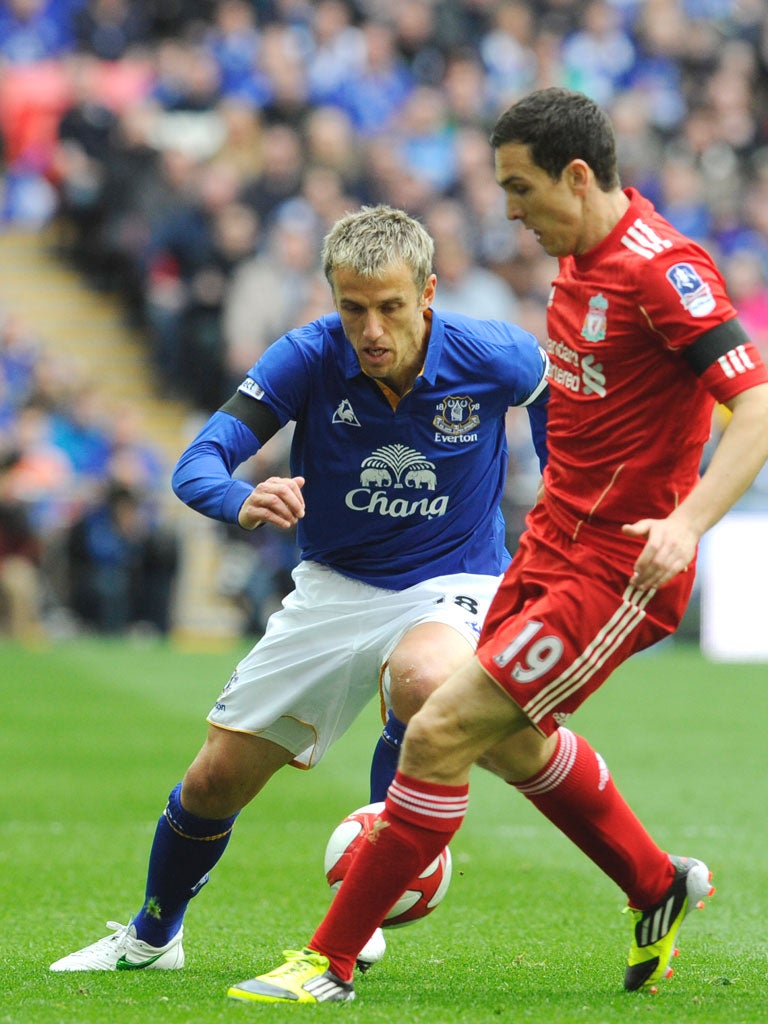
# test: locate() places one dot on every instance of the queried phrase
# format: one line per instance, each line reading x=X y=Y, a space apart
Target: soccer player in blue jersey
x=398 y=462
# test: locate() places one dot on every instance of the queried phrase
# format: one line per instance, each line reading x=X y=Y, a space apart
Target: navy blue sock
x=385 y=756
x=184 y=850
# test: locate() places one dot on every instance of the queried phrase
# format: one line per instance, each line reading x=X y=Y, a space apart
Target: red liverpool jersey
x=642 y=340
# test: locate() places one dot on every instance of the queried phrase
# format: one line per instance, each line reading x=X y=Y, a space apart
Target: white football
x=423 y=893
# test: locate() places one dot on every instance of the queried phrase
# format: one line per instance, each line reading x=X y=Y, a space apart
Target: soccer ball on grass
x=423 y=893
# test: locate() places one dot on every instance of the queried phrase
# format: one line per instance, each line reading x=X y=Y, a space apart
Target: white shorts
x=321 y=656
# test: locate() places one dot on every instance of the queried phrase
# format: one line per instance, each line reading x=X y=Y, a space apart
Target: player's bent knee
x=421 y=662
x=407 y=694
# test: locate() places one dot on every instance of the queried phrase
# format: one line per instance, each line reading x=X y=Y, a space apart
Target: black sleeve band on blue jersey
x=256 y=415
x=709 y=347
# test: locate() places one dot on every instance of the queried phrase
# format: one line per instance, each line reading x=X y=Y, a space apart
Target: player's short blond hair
x=373 y=239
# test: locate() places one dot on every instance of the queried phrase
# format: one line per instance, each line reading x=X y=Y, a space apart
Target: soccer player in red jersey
x=643 y=341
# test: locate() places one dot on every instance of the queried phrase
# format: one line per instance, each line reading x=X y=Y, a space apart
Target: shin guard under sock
x=184 y=850
x=576 y=792
x=418 y=821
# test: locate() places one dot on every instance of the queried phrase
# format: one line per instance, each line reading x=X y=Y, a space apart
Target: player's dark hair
x=558 y=126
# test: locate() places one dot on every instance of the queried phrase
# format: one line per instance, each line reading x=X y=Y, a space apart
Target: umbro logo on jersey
x=345 y=414
x=644 y=241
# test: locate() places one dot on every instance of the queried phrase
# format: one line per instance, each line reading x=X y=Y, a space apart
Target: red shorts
x=564 y=617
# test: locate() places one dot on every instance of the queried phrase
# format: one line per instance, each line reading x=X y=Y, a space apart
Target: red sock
x=419 y=819
x=576 y=792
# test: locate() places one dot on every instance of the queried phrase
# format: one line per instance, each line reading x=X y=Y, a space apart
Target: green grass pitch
x=95 y=733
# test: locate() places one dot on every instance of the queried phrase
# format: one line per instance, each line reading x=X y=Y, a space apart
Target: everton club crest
x=456 y=415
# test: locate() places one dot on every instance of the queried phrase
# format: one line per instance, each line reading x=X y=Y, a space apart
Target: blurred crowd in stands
x=191 y=154
x=83 y=540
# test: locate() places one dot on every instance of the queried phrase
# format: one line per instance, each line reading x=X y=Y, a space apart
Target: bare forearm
x=738 y=458
x=742 y=451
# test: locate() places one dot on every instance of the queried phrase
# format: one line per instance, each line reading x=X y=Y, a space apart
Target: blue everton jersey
x=393 y=496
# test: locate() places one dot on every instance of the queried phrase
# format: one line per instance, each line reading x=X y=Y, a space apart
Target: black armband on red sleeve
x=709 y=347
x=258 y=417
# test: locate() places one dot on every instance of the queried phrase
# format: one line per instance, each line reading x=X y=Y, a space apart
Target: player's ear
x=578 y=175
x=428 y=295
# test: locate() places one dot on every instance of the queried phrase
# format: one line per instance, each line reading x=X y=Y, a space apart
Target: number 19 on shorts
x=539 y=658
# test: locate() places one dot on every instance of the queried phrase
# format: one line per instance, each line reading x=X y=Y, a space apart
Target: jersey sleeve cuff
x=233 y=500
